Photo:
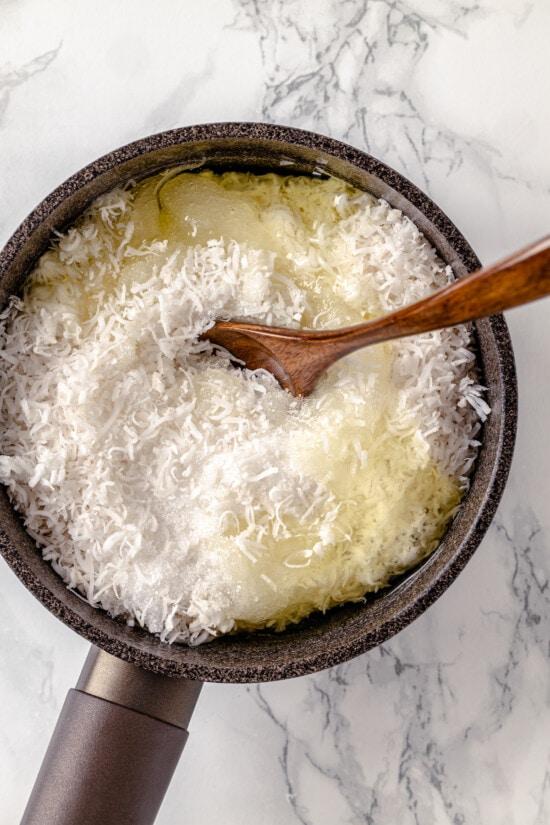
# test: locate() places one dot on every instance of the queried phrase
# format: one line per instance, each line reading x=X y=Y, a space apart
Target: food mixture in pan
x=195 y=498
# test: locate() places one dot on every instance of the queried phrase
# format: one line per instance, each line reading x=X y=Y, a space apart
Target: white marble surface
x=448 y=722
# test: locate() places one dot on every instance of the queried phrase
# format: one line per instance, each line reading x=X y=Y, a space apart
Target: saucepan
x=123 y=728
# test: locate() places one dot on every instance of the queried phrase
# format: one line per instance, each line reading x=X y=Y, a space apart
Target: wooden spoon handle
x=298 y=357
x=523 y=277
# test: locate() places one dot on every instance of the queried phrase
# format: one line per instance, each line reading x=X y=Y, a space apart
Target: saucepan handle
x=115 y=747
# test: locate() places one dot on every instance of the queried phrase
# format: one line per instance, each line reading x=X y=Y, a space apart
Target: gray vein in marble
x=543 y=802
x=324 y=693
x=11 y=78
x=529 y=584
x=347 y=774
x=342 y=65
x=264 y=705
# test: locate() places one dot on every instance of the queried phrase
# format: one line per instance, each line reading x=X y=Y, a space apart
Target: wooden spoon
x=298 y=357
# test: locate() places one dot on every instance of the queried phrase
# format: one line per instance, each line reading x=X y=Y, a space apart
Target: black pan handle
x=115 y=747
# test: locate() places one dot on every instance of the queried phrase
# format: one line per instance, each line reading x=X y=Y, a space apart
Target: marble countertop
x=448 y=722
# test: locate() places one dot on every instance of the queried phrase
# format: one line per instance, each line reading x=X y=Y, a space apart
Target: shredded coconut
x=193 y=497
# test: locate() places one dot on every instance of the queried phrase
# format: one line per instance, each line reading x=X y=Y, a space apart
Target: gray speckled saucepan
x=111 y=689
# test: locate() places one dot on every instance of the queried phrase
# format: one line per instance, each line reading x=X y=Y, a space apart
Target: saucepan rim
x=343 y=632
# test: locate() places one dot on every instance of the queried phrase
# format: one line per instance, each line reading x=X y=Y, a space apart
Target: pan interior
x=320 y=640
